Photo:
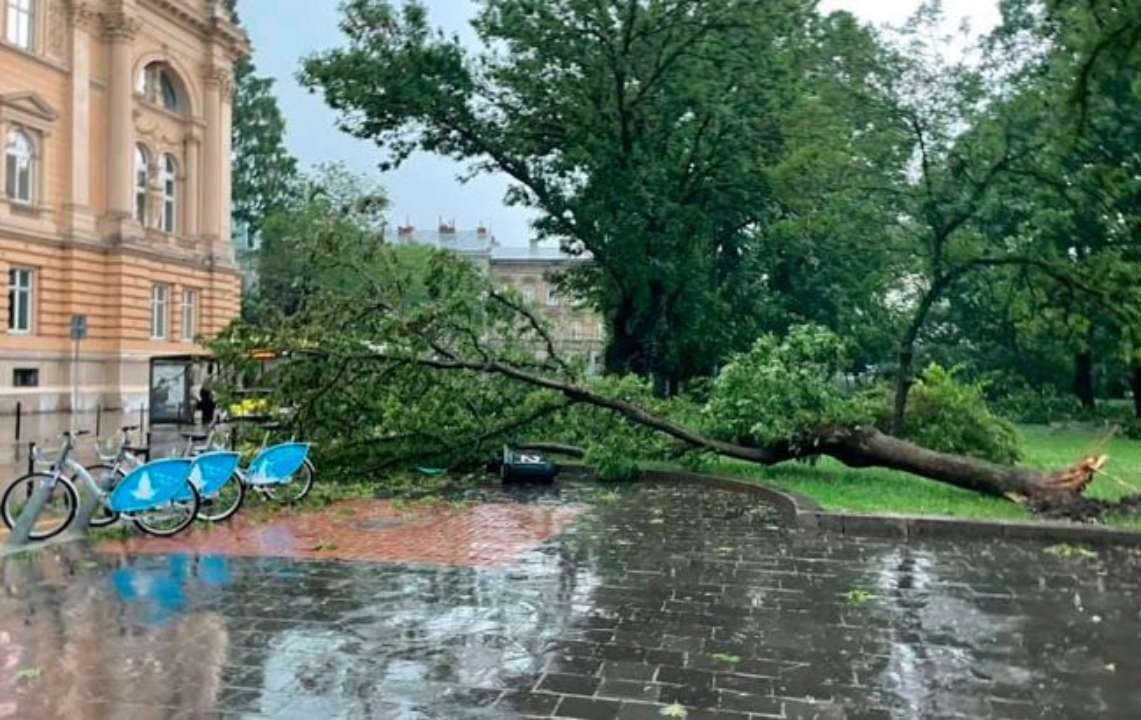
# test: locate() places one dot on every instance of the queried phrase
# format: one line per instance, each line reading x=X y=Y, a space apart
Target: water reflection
x=671 y=593
x=135 y=637
x=85 y=633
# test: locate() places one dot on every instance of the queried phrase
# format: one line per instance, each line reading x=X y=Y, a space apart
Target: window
x=159 y=86
x=21 y=23
x=20 y=299
x=160 y=317
x=26 y=377
x=552 y=296
x=576 y=331
x=142 y=181
x=529 y=293
x=18 y=160
x=169 y=192
x=189 y=314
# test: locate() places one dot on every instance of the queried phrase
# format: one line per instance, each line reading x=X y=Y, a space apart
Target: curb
x=804 y=513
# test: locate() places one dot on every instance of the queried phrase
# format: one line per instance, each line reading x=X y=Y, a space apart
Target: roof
x=476 y=242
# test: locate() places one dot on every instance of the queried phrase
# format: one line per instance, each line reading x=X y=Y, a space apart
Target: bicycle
x=221 y=494
x=110 y=471
x=157 y=496
x=273 y=467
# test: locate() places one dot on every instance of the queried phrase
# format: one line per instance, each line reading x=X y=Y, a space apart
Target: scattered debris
x=1068 y=551
x=725 y=658
x=28 y=675
x=859 y=597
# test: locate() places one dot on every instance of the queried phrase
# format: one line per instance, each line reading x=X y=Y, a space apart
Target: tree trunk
x=1083 y=379
x=903 y=383
x=871 y=448
x=1135 y=384
x=623 y=352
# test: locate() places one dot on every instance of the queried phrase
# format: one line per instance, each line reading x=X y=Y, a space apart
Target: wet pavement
x=660 y=601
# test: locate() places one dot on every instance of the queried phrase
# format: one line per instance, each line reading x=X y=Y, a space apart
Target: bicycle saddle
x=195 y=436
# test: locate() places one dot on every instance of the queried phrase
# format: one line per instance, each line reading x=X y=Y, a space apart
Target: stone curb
x=804 y=513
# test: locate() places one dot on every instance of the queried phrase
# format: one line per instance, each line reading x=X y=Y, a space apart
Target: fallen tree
x=421 y=356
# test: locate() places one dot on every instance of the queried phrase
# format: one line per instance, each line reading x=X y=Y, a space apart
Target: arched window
x=142 y=182
x=19 y=158
x=161 y=86
x=169 y=192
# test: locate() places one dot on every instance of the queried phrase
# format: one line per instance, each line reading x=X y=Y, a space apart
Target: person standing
x=206 y=402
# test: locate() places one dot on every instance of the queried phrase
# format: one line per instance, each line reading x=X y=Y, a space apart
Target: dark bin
x=526 y=467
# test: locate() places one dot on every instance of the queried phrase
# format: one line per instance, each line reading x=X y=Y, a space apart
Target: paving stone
x=576 y=684
x=587 y=708
x=534 y=602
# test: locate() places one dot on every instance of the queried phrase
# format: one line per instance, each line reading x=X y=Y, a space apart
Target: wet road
x=661 y=601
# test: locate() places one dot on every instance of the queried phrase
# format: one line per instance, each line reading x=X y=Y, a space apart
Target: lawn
x=836 y=487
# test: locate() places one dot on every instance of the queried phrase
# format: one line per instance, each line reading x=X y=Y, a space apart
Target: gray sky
x=425 y=187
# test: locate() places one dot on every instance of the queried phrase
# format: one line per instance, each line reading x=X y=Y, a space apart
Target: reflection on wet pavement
x=670 y=599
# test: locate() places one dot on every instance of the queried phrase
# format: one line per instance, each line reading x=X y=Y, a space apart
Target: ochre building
x=115 y=199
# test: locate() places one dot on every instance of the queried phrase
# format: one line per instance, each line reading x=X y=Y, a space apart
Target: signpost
x=43 y=490
x=78 y=333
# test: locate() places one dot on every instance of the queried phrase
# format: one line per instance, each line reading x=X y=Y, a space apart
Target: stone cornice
x=218 y=264
x=210 y=19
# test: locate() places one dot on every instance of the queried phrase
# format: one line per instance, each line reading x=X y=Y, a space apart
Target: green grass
x=836 y=487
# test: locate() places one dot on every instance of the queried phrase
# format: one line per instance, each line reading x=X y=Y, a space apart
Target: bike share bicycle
x=283 y=472
x=158 y=496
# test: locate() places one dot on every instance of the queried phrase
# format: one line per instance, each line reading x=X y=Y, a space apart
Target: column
x=224 y=248
x=78 y=208
x=212 y=160
x=120 y=30
x=192 y=186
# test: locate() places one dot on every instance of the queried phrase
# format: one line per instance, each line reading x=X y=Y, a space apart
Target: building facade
x=115 y=126
x=533 y=271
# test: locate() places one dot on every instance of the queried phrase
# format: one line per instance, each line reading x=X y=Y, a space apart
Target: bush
x=950 y=415
x=1132 y=429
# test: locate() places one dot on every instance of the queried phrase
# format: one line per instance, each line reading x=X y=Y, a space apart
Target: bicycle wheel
x=172 y=518
x=223 y=504
x=107 y=477
x=297 y=488
x=57 y=514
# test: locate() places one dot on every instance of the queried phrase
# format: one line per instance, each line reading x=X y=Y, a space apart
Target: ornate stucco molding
x=117 y=24
x=81 y=14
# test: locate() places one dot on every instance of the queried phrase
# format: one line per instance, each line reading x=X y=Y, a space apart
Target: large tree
x=264 y=171
x=649 y=133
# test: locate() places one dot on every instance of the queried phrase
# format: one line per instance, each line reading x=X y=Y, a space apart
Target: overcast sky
x=425 y=188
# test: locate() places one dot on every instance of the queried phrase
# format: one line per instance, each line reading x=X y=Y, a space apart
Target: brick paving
x=493 y=533
x=666 y=601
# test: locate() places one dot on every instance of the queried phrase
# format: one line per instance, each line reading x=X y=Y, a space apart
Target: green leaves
x=784 y=389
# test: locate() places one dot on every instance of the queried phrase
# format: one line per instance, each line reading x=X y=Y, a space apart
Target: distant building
x=115 y=195
x=531 y=270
